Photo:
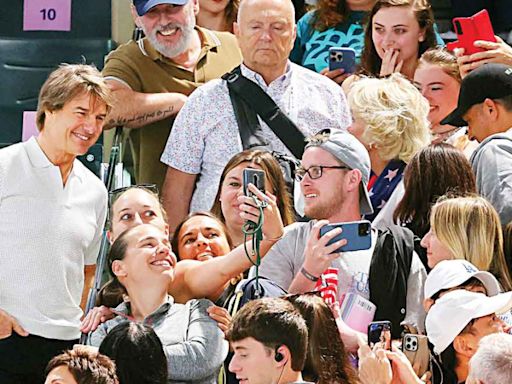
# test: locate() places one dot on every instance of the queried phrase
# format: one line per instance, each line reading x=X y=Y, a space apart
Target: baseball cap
x=347 y=149
x=451 y=313
x=489 y=81
x=452 y=273
x=142 y=6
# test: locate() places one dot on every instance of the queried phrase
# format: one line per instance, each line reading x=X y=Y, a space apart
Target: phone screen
x=379 y=334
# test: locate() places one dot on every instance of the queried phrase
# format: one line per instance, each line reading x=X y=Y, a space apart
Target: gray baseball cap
x=347 y=149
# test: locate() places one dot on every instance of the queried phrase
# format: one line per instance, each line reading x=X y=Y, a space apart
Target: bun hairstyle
x=113 y=292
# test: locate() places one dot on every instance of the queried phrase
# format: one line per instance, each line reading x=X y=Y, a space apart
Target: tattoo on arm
x=142 y=118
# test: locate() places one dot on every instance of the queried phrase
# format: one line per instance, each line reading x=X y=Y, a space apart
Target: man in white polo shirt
x=52 y=211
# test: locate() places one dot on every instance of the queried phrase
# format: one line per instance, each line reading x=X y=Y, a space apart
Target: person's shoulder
x=12 y=150
x=129 y=49
x=224 y=37
x=297 y=230
x=306 y=20
x=92 y=181
x=314 y=79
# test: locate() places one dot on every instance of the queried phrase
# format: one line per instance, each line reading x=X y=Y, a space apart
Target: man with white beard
x=152 y=77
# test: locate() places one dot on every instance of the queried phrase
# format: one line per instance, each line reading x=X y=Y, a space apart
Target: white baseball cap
x=451 y=313
x=452 y=273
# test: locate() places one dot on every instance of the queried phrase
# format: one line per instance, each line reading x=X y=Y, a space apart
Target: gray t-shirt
x=193 y=343
x=285 y=258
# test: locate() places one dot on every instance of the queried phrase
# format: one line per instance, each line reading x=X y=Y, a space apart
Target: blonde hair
x=67 y=82
x=395 y=115
x=443 y=59
x=470 y=228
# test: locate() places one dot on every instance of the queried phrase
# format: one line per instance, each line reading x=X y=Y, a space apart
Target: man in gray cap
x=333 y=177
x=485 y=106
x=152 y=77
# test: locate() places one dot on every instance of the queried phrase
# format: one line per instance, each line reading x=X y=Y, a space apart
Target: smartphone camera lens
x=363 y=229
x=458 y=28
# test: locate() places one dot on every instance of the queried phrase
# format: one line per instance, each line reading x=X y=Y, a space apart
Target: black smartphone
x=379 y=334
x=357 y=233
x=254 y=176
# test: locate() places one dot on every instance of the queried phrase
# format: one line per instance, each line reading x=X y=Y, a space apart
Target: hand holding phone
x=357 y=234
x=254 y=176
x=471 y=29
x=415 y=347
x=342 y=57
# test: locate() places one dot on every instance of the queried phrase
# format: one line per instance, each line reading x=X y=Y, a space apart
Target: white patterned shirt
x=205 y=133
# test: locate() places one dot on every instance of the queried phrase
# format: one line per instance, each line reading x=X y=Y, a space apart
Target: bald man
x=205 y=134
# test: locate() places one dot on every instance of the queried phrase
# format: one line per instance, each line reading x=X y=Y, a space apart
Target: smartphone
x=379 y=334
x=357 y=233
x=415 y=347
x=254 y=176
x=341 y=57
x=470 y=29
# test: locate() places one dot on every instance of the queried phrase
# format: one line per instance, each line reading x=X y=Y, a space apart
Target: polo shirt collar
x=39 y=160
x=283 y=80
x=208 y=42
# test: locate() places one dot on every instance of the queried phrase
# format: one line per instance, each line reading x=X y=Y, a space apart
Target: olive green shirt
x=144 y=69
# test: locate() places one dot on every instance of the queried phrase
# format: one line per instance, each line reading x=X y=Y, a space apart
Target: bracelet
x=274 y=239
x=309 y=276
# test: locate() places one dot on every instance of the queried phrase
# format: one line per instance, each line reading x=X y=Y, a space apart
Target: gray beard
x=179 y=48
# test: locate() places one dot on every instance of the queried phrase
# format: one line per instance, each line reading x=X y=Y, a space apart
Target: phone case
x=254 y=176
x=470 y=29
x=415 y=347
x=341 y=57
x=357 y=233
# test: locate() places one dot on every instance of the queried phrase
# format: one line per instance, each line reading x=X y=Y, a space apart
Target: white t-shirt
x=48 y=233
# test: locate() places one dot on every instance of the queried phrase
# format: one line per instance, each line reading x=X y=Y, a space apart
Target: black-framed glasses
x=315 y=171
x=114 y=194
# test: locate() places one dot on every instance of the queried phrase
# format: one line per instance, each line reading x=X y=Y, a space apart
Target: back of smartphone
x=471 y=29
x=357 y=233
x=341 y=57
x=254 y=176
x=415 y=347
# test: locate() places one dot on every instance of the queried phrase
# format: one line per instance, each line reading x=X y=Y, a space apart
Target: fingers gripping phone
x=357 y=233
x=341 y=57
x=254 y=176
x=471 y=29
x=379 y=334
x=415 y=347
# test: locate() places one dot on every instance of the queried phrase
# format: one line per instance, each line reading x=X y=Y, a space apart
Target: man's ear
x=490 y=108
x=118 y=268
x=135 y=16
x=286 y=356
x=463 y=345
x=236 y=29
x=354 y=179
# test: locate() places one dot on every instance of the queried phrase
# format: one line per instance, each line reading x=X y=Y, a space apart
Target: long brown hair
x=330 y=13
x=370 y=60
x=326 y=360
x=431 y=173
x=274 y=174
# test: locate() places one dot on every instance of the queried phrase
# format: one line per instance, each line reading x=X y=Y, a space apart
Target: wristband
x=309 y=276
x=274 y=239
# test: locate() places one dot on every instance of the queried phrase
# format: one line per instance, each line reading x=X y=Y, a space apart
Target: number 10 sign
x=47 y=15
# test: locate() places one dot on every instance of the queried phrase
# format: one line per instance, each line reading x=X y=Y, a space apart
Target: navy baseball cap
x=142 y=6
x=489 y=81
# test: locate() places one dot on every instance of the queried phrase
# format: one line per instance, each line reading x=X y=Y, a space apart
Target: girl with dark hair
x=397 y=34
x=333 y=23
x=137 y=352
x=225 y=205
x=142 y=264
x=431 y=173
x=326 y=361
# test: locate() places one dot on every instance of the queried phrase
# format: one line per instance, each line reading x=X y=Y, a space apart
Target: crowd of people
x=376 y=248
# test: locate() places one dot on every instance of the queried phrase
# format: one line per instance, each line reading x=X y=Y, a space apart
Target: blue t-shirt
x=311 y=48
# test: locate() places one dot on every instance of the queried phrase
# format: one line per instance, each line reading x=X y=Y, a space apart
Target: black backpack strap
x=259 y=101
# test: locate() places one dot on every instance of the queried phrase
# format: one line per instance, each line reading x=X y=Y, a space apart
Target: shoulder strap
x=252 y=94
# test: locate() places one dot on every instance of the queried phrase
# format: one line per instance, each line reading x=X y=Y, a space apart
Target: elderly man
x=151 y=78
x=485 y=106
x=206 y=134
x=52 y=211
x=492 y=362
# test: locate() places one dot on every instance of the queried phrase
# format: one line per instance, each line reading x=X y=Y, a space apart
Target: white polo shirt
x=48 y=233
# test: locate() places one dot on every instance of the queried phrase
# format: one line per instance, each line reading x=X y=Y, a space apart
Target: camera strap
x=250 y=100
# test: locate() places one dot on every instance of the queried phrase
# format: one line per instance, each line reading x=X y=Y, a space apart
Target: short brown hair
x=272 y=322
x=67 y=82
x=87 y=367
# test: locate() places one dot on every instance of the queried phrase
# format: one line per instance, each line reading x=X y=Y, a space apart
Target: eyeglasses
x=315 y=171
x=114 y=195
